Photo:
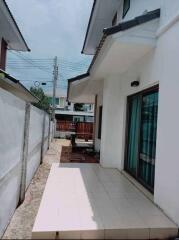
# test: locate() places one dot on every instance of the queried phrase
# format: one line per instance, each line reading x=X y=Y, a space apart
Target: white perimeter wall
x=160 y=66
x=12 y=114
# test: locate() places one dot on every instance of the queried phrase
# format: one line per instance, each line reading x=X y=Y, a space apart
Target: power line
x=68 y=68
x=29 y=61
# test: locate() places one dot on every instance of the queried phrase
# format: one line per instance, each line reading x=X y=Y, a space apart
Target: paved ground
x=86 y=201
x=22 y=222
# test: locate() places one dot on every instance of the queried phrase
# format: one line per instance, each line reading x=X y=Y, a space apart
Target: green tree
x=43 y=99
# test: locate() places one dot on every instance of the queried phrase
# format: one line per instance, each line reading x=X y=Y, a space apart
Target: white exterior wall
x=12 y=119
x=99 y=103
x=167 y=158
x=160 y=66
x=137 y=7
x=115 y=92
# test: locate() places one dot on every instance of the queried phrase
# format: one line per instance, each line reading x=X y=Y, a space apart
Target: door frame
x=135 y=176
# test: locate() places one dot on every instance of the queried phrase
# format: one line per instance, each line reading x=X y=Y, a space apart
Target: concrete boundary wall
x=16 y=146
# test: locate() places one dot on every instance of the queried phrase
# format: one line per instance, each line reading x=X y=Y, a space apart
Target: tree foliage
x=43 y=99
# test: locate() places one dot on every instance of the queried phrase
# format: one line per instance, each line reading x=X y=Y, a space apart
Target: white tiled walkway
x=87 y=201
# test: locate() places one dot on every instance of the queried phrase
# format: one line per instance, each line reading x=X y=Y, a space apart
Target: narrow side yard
x=22 y=222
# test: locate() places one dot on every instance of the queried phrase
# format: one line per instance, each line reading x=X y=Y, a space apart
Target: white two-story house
x=134 y=82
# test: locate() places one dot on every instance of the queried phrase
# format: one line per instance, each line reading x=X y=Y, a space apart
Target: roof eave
x=79 y=77
x=122 y=27
x=9 y=81
x=21 y=36
x=133 y=23
x=112 y=30
x=88 y=27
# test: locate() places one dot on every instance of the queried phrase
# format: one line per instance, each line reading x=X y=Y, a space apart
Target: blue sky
x=51 y=28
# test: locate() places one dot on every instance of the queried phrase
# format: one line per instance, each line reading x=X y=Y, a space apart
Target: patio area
x=86 y=201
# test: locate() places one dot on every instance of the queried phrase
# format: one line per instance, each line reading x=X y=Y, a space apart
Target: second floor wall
x=105 y=16
x=169 y=9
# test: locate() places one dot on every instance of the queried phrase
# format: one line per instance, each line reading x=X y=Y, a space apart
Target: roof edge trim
x=132 y=23
x=89 y=23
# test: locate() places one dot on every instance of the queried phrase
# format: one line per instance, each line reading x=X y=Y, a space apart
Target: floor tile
x=163 y=233
x=141 y=233
x=89 y=202
x=93 y=234
x=43 y=235
x=69 y=235
x=116 y=234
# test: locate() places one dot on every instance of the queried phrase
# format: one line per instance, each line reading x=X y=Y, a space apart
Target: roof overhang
x=121 y=50
x=76 y=90
x=120 y=47
x=10 y=31
x=13 y=86
x=101 y=17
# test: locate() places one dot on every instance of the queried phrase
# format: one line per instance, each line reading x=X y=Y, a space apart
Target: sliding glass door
x=141 y=136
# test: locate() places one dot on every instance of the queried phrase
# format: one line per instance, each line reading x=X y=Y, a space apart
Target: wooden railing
x=83 y=130
x=66 y=126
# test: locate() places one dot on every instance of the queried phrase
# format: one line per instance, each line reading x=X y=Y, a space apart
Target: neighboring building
x=67 y=115
x=10 y=36
x=134 y=82
x=66 y=111
x=11 y=39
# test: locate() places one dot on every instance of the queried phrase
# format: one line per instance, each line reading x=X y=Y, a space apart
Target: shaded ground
x=22 y=222
x=78 y=155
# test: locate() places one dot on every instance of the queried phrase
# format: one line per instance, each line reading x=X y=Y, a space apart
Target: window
x=57 y=101
x=62 y=102
x=114 y=21
x=100 y=121
x=126 y=7
x=50 y=99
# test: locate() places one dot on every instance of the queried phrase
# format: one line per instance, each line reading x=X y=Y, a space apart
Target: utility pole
x=55 y=78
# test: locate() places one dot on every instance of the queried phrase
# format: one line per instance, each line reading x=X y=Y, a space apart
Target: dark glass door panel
x=141 y=136
x=133 y=134
x=149 y=109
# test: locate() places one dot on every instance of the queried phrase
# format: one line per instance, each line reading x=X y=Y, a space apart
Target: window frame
x=129 y=97
x=125 y=11
x=3 y=54
x=100 y=114
x=114 y=20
